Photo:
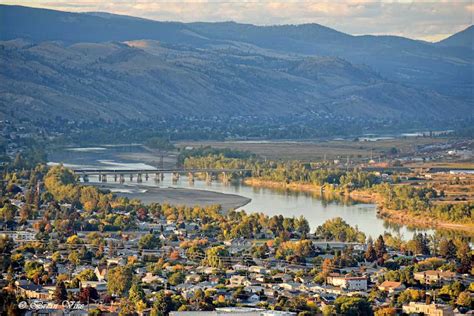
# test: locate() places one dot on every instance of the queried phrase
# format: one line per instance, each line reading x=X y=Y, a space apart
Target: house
x=100 y=286
x=328 y=289
x=391 y=286
x=427 y=309
x=34 y=291
x=192 y=278
x=240 y=267
x=119 y=261
x=290 y=286
x=257 y=269
x=434 y=276
x=101 y=272
x=238 y=280
x=243 y=311
x=347 y=282
x=282 y=277
x=150 y=278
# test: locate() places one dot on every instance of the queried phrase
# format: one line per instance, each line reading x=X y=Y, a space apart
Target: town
x=73 y=249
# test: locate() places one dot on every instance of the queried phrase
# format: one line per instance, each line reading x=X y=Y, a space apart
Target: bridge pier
x=225 y=177
x=119 y=175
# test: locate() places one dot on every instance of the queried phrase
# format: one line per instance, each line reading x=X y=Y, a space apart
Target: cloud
x=420 y=19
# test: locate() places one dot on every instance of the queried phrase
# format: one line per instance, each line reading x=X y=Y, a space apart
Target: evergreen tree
x=380 y=248
x=370 y=253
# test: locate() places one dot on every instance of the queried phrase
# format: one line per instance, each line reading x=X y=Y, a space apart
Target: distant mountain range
x=100 y=65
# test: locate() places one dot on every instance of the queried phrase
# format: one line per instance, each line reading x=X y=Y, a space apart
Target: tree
x=464 y=256
x=328 y=310
x=447 y=248
x=353 y=306
x=73 y=257
x=302 y=226
x=370 y=254
x=163 y=304
x=119 y=280
x=7 y=212
x=194 y=253
x=338 y=229
x=60 y=293
x=176 y=278
x=88 y=294
x=33 y=270
x=214 y=256
x=136 y=293
x=464 y=299
x=386 y=311
x=87 y=275
x=148 y=241
x=419 y=244
x=127 y=308
x=380 y=248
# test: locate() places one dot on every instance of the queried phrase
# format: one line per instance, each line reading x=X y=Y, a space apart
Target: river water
x=269 y=201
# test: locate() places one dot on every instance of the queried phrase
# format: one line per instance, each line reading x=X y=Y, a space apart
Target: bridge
x=118 y=175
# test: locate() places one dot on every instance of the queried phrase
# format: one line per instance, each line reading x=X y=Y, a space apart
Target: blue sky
x=418 y=19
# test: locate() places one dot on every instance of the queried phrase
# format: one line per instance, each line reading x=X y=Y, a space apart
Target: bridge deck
x=145 y=171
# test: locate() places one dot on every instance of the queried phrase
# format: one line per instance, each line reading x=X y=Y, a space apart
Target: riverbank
x=401 y=217
x=176 y=196
x=366 y=196
x=327 y=192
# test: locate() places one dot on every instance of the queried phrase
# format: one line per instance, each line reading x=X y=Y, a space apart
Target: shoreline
x=365 y=196
x=399 y=217
x=177 y=196
x=357 y=196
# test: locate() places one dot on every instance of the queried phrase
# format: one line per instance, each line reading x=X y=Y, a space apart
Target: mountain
x=144 y=79
x=38 y=25
x=99 y=65
x=464 y=38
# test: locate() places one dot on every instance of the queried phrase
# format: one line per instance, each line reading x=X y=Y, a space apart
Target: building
x=428 y=309
x=240 y=311
x=347 y=282
x=33 y=291
x=238 y=280
x=434 y=276
x=101 y=273
x=391 y=286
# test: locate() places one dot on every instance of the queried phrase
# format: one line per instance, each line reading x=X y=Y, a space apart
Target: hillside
x=465 y=39
x=145 y=79
x=98 y=65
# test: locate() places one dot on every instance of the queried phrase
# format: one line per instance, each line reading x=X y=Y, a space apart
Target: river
x=231 y=195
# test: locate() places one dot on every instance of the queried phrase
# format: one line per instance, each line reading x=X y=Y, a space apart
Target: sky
x=417 y=19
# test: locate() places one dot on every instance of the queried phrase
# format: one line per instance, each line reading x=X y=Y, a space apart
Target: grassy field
x=318 y=150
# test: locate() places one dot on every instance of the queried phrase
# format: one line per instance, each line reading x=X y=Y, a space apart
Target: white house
x=352 y=283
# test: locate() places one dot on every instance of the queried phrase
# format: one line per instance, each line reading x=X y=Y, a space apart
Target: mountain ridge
x=133 y=68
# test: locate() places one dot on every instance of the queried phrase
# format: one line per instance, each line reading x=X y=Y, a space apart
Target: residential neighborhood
x=123 y=257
